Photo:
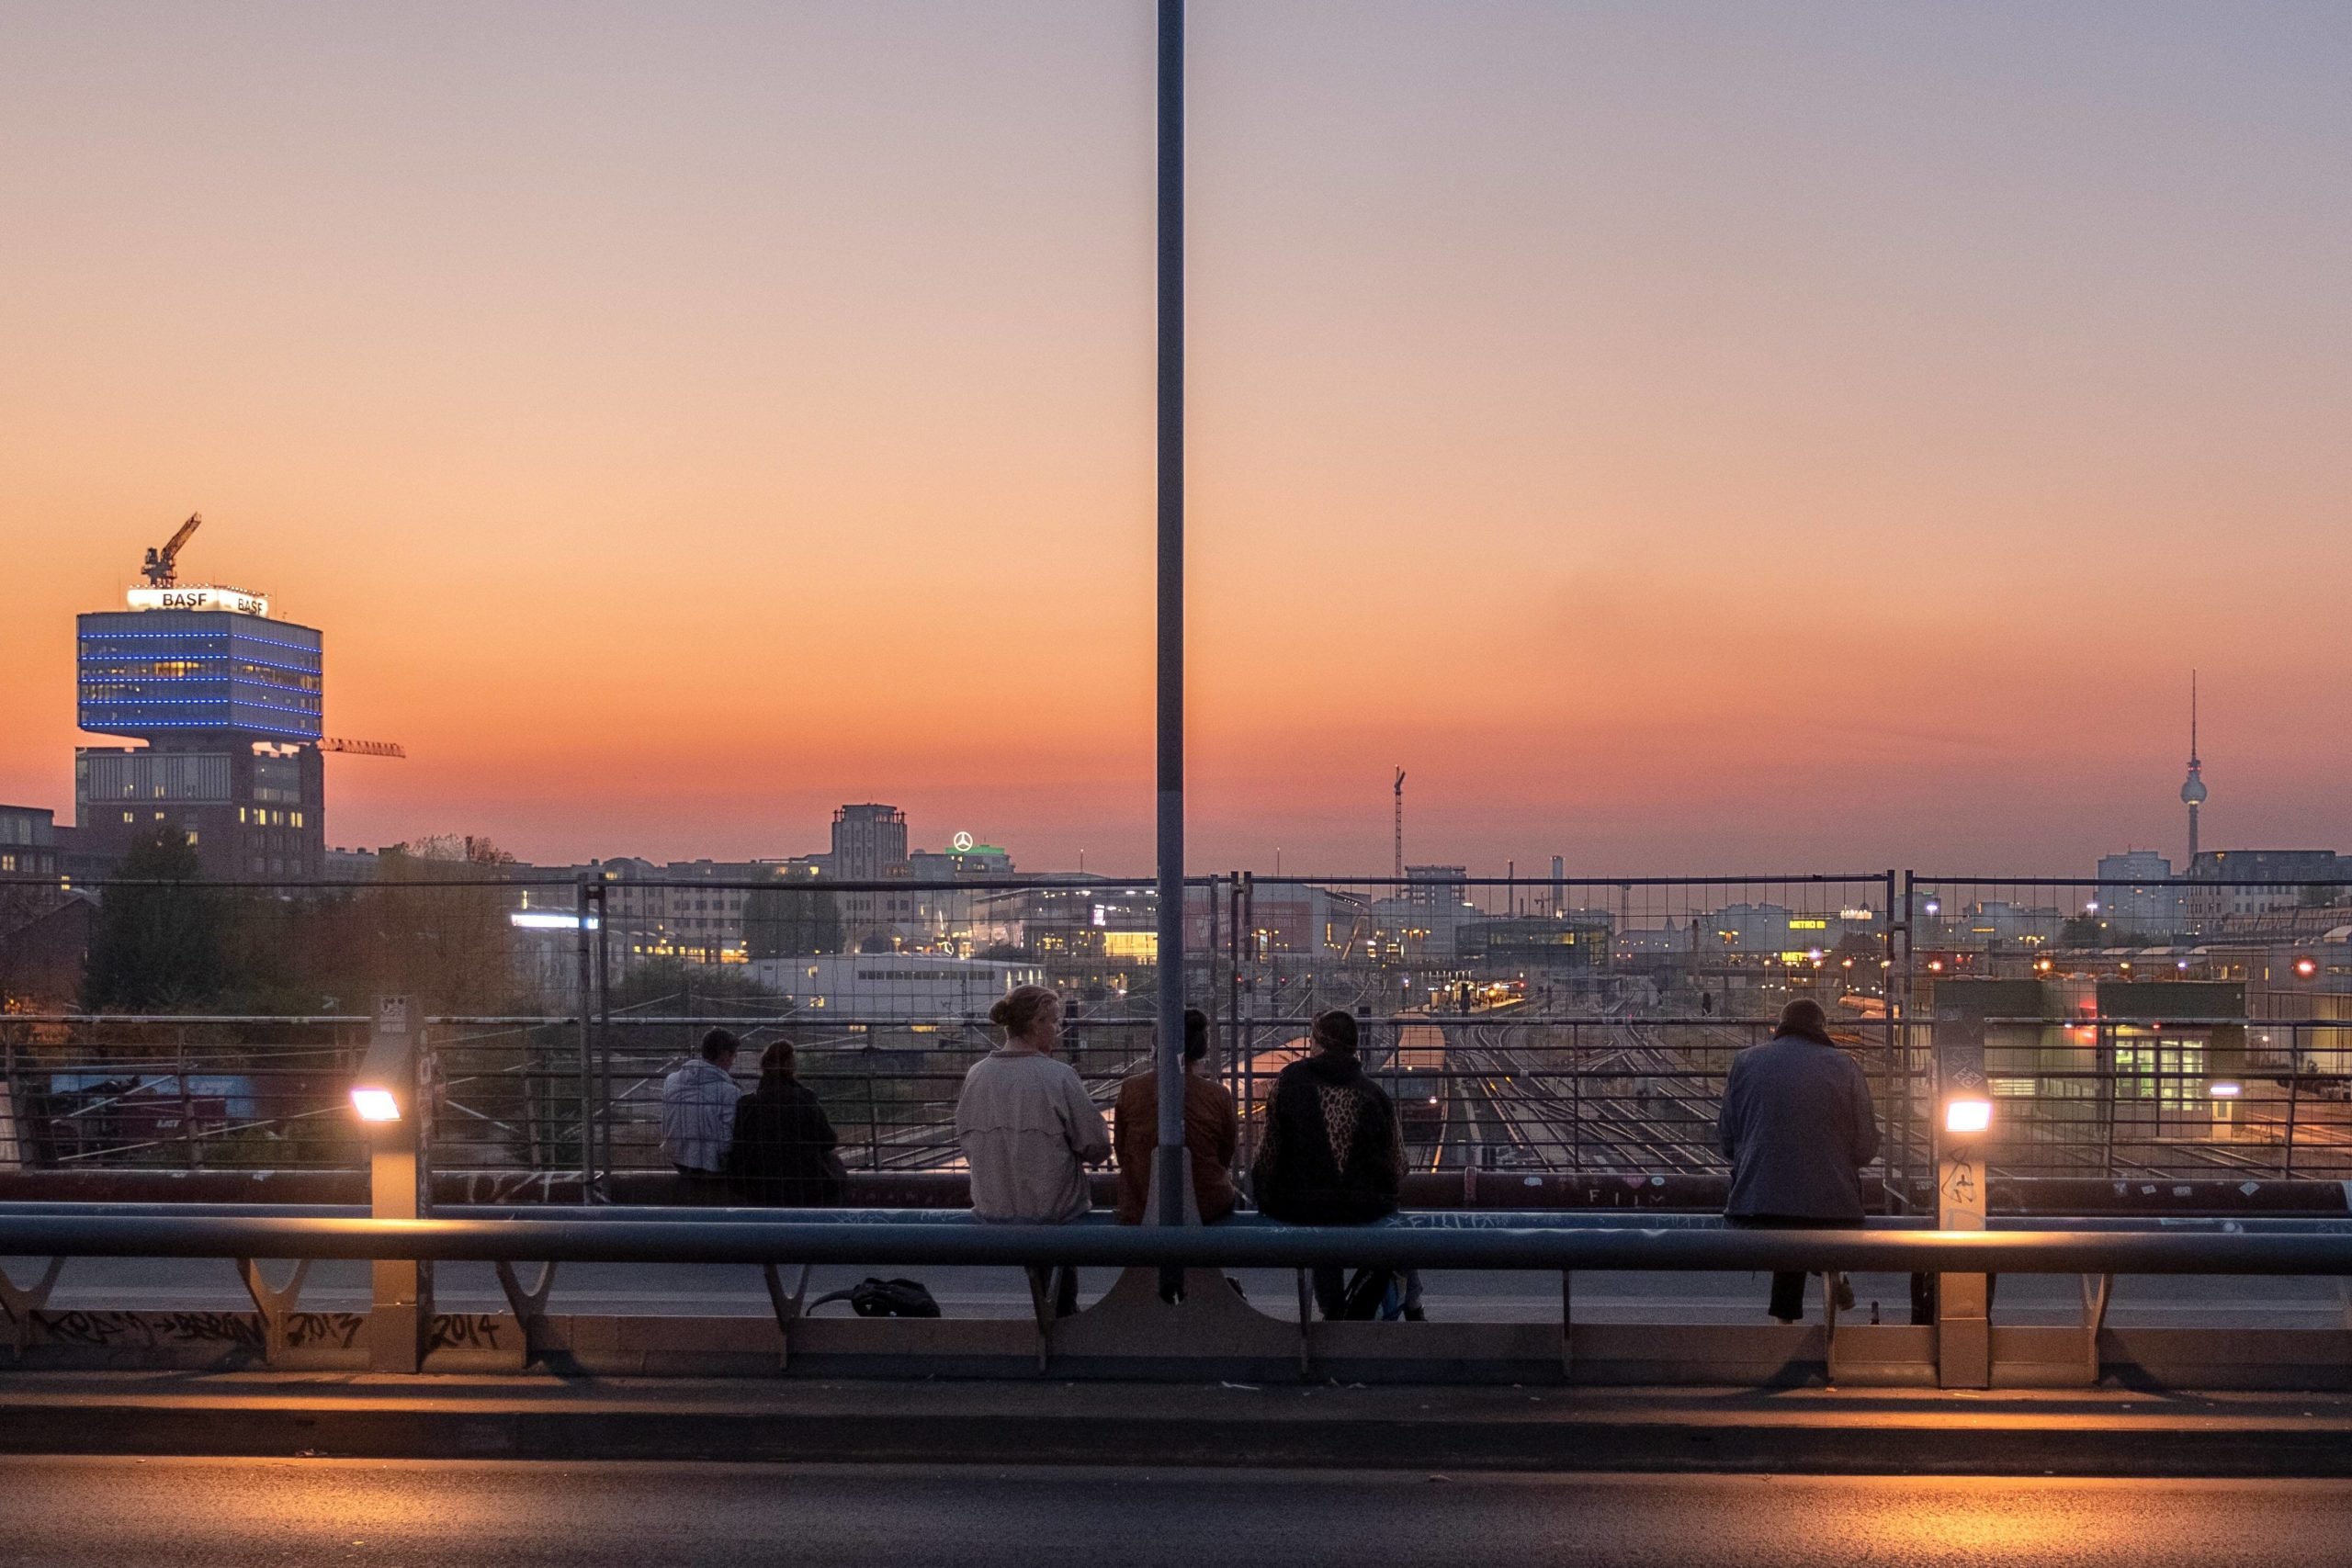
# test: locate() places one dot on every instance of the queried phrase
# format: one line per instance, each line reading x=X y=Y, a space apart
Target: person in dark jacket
x=1332 y=1155
x=783 y=1154
x=1799 y=1128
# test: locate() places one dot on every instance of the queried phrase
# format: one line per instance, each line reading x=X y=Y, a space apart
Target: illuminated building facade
x=228 y=703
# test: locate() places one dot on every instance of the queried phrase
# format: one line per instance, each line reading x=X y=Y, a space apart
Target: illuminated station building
x=228 y=702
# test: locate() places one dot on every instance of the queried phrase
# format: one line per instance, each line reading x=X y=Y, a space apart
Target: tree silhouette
x=157 y=944
x=786 y=922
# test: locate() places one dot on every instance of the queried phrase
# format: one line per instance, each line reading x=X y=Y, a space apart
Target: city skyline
x=1683 y=448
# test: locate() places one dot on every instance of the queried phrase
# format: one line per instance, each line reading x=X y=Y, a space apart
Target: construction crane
x=363 y=747
x=1400 y=824
x=161 y=563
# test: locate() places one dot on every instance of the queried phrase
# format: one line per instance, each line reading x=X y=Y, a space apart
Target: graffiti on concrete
x=242 y=1331
x=226 y=1330
x=466 y=1331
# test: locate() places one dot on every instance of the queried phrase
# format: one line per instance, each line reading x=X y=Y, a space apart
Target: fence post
x=2110 y=1081
x=873 y=1111
x=582 y=1006
x=15 y=1150
x=1898 y=1070
x=399 y=1319
x=2294 y=1086
x=1576 y=1100
x=534 y=1121
x=1233 y=989
x=603 y=981
x=188 y=1101
x=1208 y=982
x=1916 y=1145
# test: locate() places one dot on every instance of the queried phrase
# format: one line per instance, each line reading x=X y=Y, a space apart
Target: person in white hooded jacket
x=698 y=1118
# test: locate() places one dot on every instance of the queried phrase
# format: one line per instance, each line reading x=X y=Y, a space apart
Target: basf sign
x=231 y=598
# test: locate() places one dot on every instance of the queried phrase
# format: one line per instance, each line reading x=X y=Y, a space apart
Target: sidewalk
x=1794 y=1432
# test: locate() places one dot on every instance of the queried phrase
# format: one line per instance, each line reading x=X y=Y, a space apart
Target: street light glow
x=1970 y=1115
x=375 y=1104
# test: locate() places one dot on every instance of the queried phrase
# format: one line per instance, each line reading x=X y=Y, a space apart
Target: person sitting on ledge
x=784 y=1154
x=1029 y=1131
x=1332 y=1155
x=1211 y=1131
x=698 y=1119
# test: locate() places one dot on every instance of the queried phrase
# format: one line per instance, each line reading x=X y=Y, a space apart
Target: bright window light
x=1968 y=1116
x=540 y=920
x=375 y=1105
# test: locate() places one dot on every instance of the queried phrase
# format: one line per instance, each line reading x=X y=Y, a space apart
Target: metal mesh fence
x=1559 y=1024
x=179 y=1093
x=2145 y=1026
x=2131 y=1027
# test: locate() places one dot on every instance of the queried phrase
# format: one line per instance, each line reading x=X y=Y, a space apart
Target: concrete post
x=1963 y=1124
x=400 y=1316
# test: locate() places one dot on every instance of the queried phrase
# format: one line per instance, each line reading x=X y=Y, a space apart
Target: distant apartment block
x=870 y=845
x=2265 y=880
x=28 y=842
x=2131 y=898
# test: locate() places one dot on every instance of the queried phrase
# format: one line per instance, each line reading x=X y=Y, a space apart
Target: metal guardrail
x=1563 y=1249
x=1132 y=1331
x=1442 y=1220
x=466 y=1193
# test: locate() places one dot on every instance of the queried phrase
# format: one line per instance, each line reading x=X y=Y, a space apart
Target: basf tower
x=228 y=703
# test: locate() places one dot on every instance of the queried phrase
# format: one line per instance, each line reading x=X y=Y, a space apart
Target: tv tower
x=2192 y=794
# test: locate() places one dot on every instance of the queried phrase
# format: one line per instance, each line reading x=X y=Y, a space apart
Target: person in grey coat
x=1799 y=1128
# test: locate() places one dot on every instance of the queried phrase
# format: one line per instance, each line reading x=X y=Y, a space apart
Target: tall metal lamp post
x=1171 y=1181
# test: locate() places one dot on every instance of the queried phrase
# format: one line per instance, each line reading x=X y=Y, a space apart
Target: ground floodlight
x=375 y=1104
x=385 y=1086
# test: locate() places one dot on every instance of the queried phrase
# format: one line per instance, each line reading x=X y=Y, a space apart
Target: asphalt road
x=186 y=1513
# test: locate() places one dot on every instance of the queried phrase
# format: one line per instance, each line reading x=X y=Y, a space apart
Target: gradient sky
x=1689 y=437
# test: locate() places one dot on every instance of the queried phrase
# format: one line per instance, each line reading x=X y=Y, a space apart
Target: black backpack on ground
x=884 y=1298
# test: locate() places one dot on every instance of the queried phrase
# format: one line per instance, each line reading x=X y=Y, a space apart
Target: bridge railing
x=1135 y=1330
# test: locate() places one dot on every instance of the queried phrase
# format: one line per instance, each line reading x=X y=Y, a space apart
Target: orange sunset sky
x=1690 y=437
